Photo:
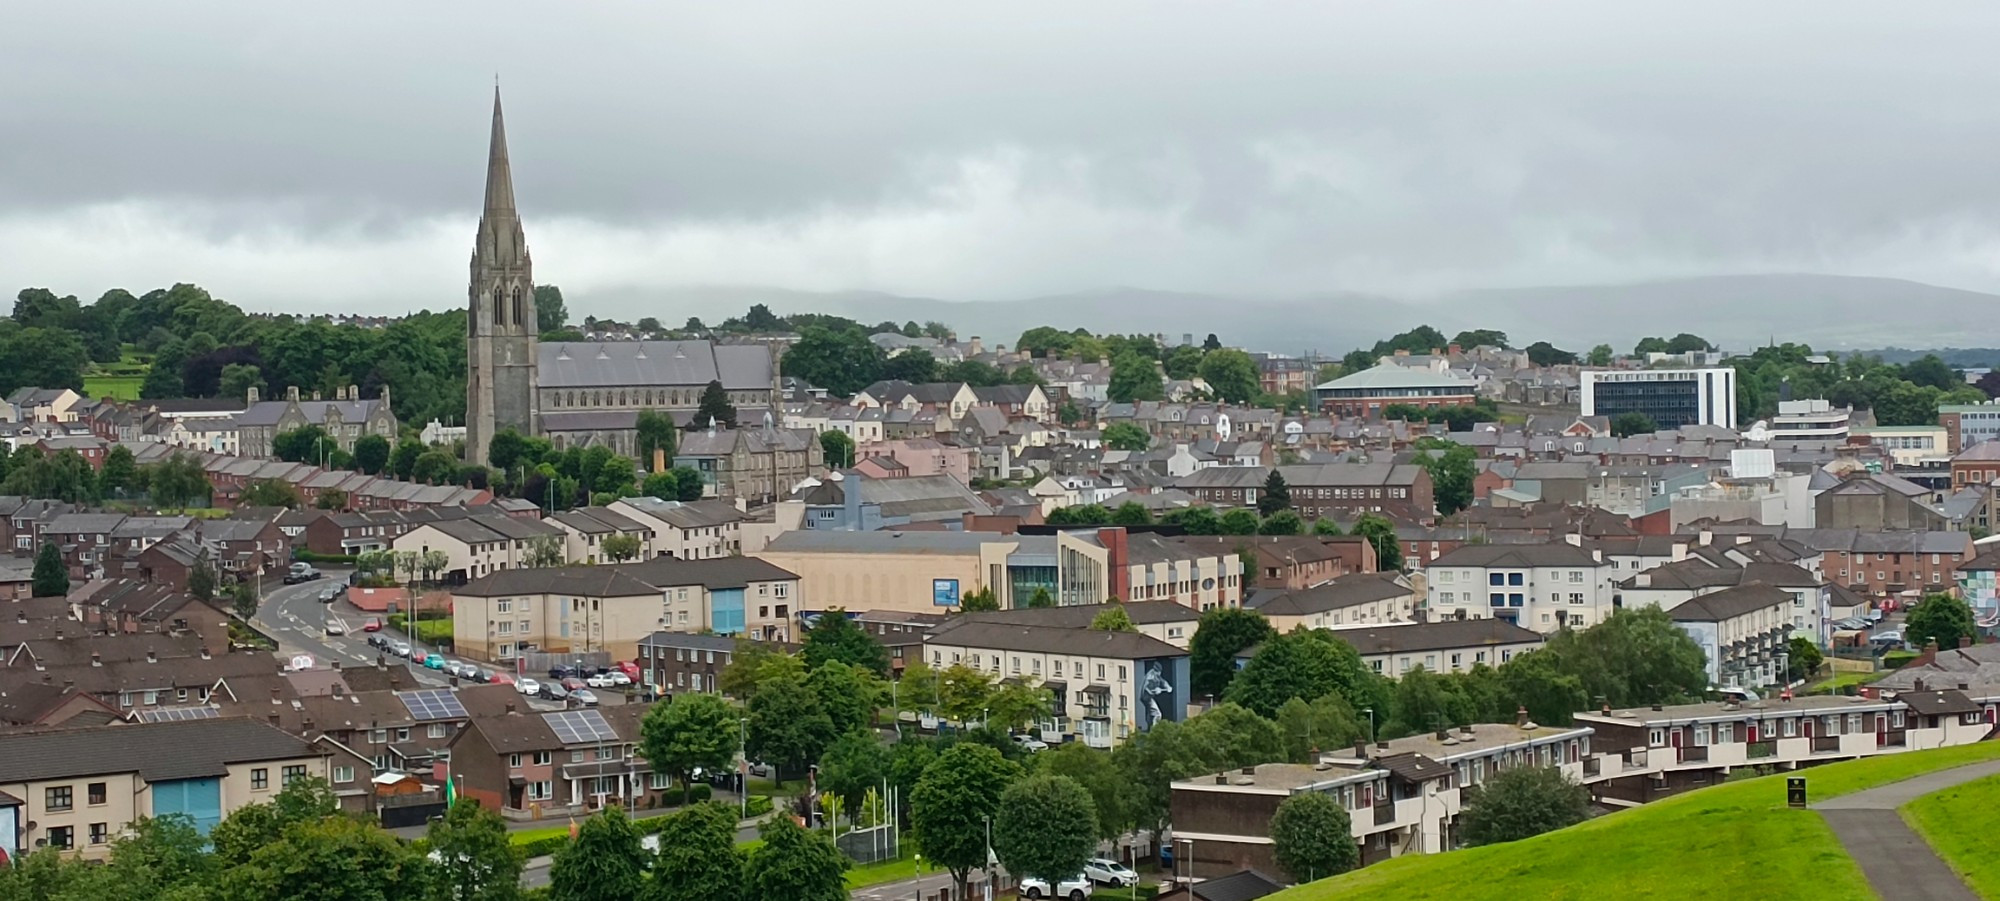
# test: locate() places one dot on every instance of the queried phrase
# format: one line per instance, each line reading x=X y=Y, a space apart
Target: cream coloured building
x=610 y=608
x=478 y=546
x=80 y=788
x=1103 y=686
x=696 y=530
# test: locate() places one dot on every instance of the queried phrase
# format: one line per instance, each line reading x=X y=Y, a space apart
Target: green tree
x=1524 y=801
x=1306 y=664
x=1113 y=618
x=177 y=482
x=1635 y=657
x=1183 y=362
x=403 y=460
x=788 y=728
x=1627 y=424
x=619 y=548
x=1126 y=436
x=1938 y=617
x=1134 y=378
x=550 y=311
x=238 y=378
x=243 y=600
x=795 y=864
x=1537 y=681
x=328 y=857
x=307 y=444
x=853 y=764
x=1275 y=496
x=1131 y=513
x=690 y=731
x=1542 y=353
x=160 y=857
x=371 y=454
x=1046 y=826
x=1311 y=837
x=1451 y=473
x=201 y=577
x=1221 y=634
x=1199 y=521
x=978 y=600
x=1601 y=355
x=1306 y=728
x=842 y=361
x=120 y=473
x=950 y=805
x=51 y=577
x=1802 y=658
x=472 y=857
x=914 y=365
x=845 y=693
x=690 y=482
x=698 y=859
x=1098 y=773
x=1240 y=521
x=1482 y=337
x=838 y=449
x=1325 y=527
x=835 y=637
x=655 y=431
x=605 y=863
x=1381 y=533
x=754 y=663
x=1041 y=598
x=271 y=493
x=715 y=407
x=1231 y=375
x=434 y=466
x=1283 y=522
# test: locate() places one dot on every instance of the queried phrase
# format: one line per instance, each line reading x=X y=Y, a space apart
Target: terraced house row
x=1406 y=796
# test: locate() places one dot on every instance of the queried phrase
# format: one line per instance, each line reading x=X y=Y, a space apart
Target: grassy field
x=1960 y=823
x=904 y=867
x=1736 y=840
x=1840 y=681
x=121 y=379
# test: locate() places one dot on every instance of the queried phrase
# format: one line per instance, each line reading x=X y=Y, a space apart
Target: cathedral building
x=579 y=393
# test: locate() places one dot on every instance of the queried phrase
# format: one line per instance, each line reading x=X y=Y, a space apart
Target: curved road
x=294 y=616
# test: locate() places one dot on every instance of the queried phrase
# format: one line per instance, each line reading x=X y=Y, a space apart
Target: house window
x=513 y=761
x=437 y=730
x=657 y=781
x=100 y=833
x=343 y=775
x=63 y=837
x=291 y=774
x=260 y=779
x=403 y=733
x=57 y=797
x=544 y=758
x=1896 y=719
x=539 y=791
x=94 y=793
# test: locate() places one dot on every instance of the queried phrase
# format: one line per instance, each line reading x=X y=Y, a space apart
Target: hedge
x=305 y=556
x=759 y=805
x=652 y=824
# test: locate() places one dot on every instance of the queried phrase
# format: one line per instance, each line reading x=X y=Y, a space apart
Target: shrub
x=759 y=805
x=701 y=791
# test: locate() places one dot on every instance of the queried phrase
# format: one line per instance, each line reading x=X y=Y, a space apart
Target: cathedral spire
x=499 y=177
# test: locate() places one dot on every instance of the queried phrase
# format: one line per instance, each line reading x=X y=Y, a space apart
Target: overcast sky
x=330 y=156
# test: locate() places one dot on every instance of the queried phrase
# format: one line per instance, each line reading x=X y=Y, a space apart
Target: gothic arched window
x=497 y=308
x=520 y=312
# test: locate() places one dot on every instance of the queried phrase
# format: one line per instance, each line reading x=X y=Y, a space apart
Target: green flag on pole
x=450 y=791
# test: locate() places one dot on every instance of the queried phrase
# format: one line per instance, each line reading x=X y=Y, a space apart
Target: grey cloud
x=977 y=151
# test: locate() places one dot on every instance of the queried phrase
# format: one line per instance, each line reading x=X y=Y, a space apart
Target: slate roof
x=583 y=364
x=156 y=751
x=1346 y=591
x=1055 y=640
x=1516 y=555
x=1730 y=603
x=1143 y=613
x=1436 y=636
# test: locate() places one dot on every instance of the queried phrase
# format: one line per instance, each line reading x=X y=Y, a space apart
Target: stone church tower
x=502 y=385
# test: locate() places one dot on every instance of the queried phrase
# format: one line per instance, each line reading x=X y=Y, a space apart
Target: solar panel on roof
x=433 y=704
x=575 y=727
x=177 y=714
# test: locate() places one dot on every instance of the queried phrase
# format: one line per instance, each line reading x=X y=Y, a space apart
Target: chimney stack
x=96 y=659
x=204 y=652
x=510 y=706
x=152 y=656
x=1222 y=778
x=1521 y=716
x=1965 y=641
x=274 y=696
x=1361 y=749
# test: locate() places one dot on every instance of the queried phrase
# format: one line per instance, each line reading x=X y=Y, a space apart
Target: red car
x=573 y=684
x=500 y=678
x=372 y=624
x=630 y=669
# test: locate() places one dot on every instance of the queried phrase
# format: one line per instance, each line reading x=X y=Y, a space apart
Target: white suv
x=1075 y=888
x=1109 y=872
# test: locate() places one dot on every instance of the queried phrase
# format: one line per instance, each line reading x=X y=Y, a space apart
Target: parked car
x=1105 y=871
x=1028 y=742
x=372 y=624
x=434 y=661
x=630 y=669
x=601 y=680
x=331 y=593
x=377 y=641
x=584 y=696
x=399 y=649
x=498 y=678
x=1888 y=641
x=561 y=671
x=1075 y=888
x=554 y=692
x=572 y=683
x=618 y=678
x=300 y=572
x=1850 y=624
x=528 y=687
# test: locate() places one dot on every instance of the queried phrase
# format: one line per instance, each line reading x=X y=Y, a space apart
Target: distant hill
x=1829 y=312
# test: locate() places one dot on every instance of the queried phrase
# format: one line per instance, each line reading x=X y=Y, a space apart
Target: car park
x=572 y=683
x=561 y=671
x=1105 y=871
x=372 y=624
x=1075 y=888
x=601 y=680
x=554 y=691
x=584 y=696
x=528 y=687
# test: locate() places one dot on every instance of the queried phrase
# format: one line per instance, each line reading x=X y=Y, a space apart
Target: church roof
x=583 y=364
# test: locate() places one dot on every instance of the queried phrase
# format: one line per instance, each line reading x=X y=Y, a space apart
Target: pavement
x=911 y=889
x=1899 y=863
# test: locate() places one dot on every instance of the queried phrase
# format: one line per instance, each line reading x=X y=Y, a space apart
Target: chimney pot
x=96 y=659
x=1521 y=715
x=1443 y=733
x=1965 y=641
x=1222 y=778
x=152 y=656
x=1465 y=729
x=1361 y=749
x=510 y=706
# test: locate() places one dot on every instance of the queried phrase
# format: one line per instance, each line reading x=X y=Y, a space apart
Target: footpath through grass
x=1960 y=823
x=1732 y=840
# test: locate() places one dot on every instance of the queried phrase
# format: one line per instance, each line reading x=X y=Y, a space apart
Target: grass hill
x=1733 y=840
x=1960 y=823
